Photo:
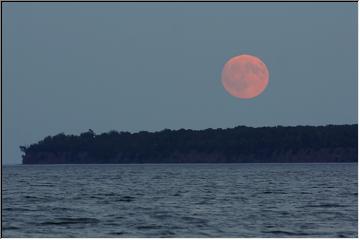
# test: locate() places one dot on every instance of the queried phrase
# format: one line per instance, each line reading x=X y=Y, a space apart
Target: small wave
x=346 y=235
x=60 y=209
x=303 y=193
x=167 y=233
x=31 y=197
x=42 y=185
x=126 y=199
x=95 y=197
x=11 y=228
x=18 y=209
x=162 y=215
x=273 y=192
x=117 y=233
x=111 y=223
x=157 y=177
x=64 y=221
x=288 y=233
x=36 y=198
x=107 y=194
x=203 y=202
x=148 y=227
x=326 y=205
x=197 y=221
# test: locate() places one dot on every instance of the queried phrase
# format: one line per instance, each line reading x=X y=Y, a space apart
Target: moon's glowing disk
x=245 y=76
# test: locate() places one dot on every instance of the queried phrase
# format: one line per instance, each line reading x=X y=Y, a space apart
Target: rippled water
x=180 y=200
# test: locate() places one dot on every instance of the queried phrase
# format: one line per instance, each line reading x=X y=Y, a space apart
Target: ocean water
x=180 y=200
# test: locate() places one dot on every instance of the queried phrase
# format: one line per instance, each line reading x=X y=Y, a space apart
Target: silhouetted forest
x=331 y=143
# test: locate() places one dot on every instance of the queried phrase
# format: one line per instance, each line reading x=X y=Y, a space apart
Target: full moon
x=245 y=76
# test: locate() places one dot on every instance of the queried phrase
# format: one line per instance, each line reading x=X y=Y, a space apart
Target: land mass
x=330 y=143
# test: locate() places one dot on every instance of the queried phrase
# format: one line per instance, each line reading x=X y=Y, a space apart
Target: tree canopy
x=231 y=144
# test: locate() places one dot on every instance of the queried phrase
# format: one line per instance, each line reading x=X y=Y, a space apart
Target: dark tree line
x=163 y=146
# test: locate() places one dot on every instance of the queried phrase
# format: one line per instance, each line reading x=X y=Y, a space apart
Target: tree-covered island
x=331 y=143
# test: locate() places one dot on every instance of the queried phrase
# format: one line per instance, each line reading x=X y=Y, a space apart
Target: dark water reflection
x=180 y=200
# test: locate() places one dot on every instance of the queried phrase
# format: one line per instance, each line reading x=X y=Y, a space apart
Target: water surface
x=180 y=200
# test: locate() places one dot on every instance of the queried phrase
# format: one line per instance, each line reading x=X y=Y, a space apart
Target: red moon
x=245 y=76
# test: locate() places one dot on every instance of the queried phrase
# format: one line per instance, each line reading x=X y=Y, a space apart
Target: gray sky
x=68 y=67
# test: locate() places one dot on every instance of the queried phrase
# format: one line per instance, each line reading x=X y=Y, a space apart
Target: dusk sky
x=70 y=67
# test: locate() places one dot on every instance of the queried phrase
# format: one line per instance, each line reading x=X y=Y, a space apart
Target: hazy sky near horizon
x=68 y=67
